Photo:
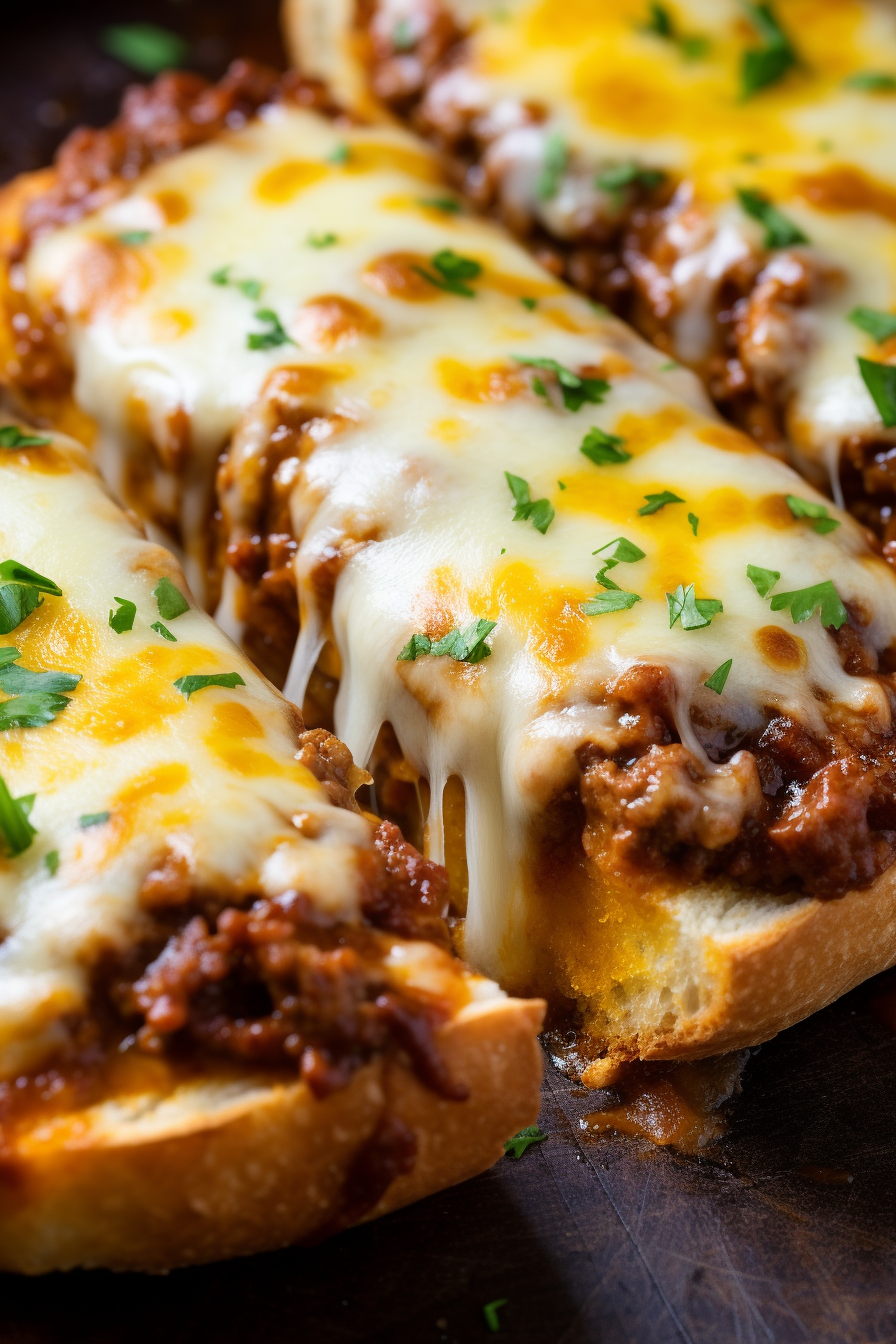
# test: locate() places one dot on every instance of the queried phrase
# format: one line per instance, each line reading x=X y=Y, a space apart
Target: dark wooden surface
x=592 y=1241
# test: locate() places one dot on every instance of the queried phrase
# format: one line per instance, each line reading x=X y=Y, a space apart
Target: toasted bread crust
x=145 y=1183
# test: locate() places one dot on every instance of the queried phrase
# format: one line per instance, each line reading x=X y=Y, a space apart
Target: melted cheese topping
x=429 y=407
x=211 y=782
x=822 y=151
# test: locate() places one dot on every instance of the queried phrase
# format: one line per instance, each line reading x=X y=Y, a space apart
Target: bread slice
x=172 y=1092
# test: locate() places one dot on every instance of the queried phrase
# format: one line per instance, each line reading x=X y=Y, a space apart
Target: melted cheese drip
x=432 y=411
x=212 y=781
x=823 y=152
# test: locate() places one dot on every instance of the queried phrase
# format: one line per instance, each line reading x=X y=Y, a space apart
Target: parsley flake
x=52 y=862
x=694 y=522
x=763 y=580
x=765 y=65
x=145 y=47
x=490 y=1312
x=274 y=336
x=11 y=571
x=403 y=38
x=624 y=552
x=717 y=681
x=32 y=710
x=12 y=437
x=251 y=288
x=657 y=502
x=872 y=81
x=805 y=508
x=574 y=388
x=322 y=240
x=693 y=612
x=617 y=176
x=19 y=681
x=529 y=304
x=779 y=230
x=447 y=204
x=604 y=603
x=660 y=23
x=553 y=165
x=463 y=646
x=199 y=681
x=877 y=322
x=133 y=237
x=163 y=630
x=516 y=1146
x=452 y=273
x=340 y=155
x=171 y=600
x=90 y=819
x=16 y=830
x=603 y=449
x=880 y=380
x=539 y=512
x=804 y=602
x=17 y=601
x=123 y=619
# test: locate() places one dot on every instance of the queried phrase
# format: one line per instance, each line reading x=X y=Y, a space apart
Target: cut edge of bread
x=219 y=1169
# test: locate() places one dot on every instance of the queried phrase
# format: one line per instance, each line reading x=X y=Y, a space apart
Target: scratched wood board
x=590 y=1240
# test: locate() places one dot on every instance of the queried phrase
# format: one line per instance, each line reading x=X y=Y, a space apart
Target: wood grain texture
x=591 y=1240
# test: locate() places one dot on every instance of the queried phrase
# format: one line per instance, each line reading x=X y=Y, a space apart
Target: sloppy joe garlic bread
x=721 y=173
x=656 y=660
x=228 y=1016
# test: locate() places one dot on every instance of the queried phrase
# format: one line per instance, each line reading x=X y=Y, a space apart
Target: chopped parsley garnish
x=447 y=204
x=199 y=681
x=171 y=600
x=464 y=646
x=603 y=603
x=133 y=237
x=624 y=552
x=93 y=819
x=669 y=365
x=341 y=154
x=765 y=65
x=274 y=336
x=574 y=388
x=694 y=522
x=529 y=304
x=717 y=681
x=603 y=449
x=872 y=81
x=163 y=630
x=553 y=166
x=490 y=1312
x=779 y=230
x=804 y=602
x=452 y=273
x=403 y=38
x=657 y=502
x=693 y=612
x=877 y=322
x=33 y=710
x=322 y=240
x=123 y=619
x=16 y=830
x=617 y=176
x=805 y=508
x=145 y=47
x=539 y=512
x=16 y=680
x=52 y=862
x=880 y=380
x=516 y=1146
x=763 y=580
x=660 y=22
x=20 y=593
x=251 y=288
x=12 y=437
x=11 y=571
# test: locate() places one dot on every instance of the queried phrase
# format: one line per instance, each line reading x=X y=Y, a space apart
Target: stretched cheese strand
x=417 y=400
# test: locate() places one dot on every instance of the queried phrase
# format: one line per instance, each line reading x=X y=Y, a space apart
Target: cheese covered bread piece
x=646 y=665
x=720 y=173
x=226 y=999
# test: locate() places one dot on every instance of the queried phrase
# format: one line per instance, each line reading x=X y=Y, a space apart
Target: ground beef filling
x=277 y=983
x=779 y=809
